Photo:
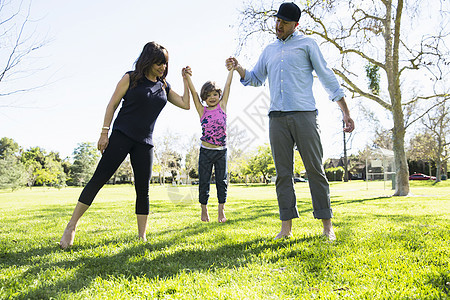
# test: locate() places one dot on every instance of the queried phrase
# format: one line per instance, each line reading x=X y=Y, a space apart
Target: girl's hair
x=152 y=53
x=208 y=87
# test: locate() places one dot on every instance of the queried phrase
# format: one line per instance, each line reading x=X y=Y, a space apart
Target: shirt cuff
x=338 y=95
x=247 y=78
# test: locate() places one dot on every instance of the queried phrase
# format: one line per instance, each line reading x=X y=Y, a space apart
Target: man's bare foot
x=67 y=238
x=205 y=215
x=328 y=231
x=329 y=235
x=282 y=236
x=221 y=214
x=286 y=230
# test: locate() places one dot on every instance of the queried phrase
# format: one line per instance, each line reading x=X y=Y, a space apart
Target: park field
x=386 y=248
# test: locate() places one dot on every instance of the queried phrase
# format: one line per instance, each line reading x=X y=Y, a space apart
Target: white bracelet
x=105 y=127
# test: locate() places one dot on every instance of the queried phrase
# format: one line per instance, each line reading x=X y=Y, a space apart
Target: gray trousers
x=301 y=129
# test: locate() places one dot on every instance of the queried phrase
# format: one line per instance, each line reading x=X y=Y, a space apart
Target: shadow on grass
x=154 y=260
x=363 y=200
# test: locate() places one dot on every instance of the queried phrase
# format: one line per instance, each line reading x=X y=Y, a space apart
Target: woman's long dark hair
x=152 y=53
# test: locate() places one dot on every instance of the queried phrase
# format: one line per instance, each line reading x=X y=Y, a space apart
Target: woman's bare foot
x=69 y=232
x=221 y=214
x=67 y=238
x=205 y=215
x=286 y=230
x=142 y=226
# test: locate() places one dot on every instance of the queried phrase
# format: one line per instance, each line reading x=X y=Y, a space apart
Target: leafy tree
x=167 y=156
x=52 y=173
x=383 y=139
x=66 y=165
x=157 y=168
x=12 y=172
x=124 y=173
x=373 y=76
x=191 y=160
x=437 y=123
x=36 y=154
x=419 y=148
x=299 y=167
x=262 y=163
x=335 y=174
x=85 y=161
x=43 y=168
x=374 y=32
x=33 y=159
x=8 y=147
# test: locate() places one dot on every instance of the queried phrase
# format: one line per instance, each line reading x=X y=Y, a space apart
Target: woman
x=145 y=92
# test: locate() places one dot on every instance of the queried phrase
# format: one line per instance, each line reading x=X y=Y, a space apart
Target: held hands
x=231 y=63
x=186 y=72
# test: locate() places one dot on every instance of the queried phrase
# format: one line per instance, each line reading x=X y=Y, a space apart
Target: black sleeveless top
x=141 y=107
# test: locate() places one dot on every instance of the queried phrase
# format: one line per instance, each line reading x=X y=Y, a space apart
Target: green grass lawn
x=387 y=247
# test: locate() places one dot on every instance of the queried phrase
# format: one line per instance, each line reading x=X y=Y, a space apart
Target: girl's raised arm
x=226 y=91
x=197 y=103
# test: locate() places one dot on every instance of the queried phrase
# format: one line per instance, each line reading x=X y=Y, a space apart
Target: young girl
x=213 y=151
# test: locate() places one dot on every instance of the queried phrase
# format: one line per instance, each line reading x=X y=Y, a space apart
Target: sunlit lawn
x=387 y=248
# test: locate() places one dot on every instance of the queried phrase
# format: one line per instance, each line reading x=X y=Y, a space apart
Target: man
x=288 y=64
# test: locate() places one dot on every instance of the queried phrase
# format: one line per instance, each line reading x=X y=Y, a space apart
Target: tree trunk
x=392 y=40
x=438 y=170
x=445 y=168
x=401 y=164
x=438 y=155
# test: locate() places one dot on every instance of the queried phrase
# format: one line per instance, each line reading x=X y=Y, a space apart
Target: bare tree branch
x=354 y=88
x=15 y=27
x=424 y=113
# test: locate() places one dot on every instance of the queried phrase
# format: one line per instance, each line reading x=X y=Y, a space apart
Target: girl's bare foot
x=67 y=238
x=221 y=214
x=205 y=215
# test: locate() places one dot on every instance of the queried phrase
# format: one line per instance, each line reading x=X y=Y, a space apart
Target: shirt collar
x=295 y=33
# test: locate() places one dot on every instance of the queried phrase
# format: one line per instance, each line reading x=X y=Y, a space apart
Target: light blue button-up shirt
x=288 y=65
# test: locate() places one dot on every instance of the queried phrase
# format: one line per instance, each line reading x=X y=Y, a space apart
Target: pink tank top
x=214 y=126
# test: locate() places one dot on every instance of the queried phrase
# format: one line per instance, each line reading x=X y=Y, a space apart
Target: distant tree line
x=35 y=167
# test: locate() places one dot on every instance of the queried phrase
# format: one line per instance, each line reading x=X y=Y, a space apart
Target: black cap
x=289 y=11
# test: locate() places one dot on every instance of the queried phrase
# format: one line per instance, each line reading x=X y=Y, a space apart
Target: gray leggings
x=301 y=129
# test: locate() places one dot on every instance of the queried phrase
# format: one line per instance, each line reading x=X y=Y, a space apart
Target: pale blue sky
x=93 y=43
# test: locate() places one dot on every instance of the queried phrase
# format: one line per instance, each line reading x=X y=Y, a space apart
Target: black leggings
x=141 y=156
